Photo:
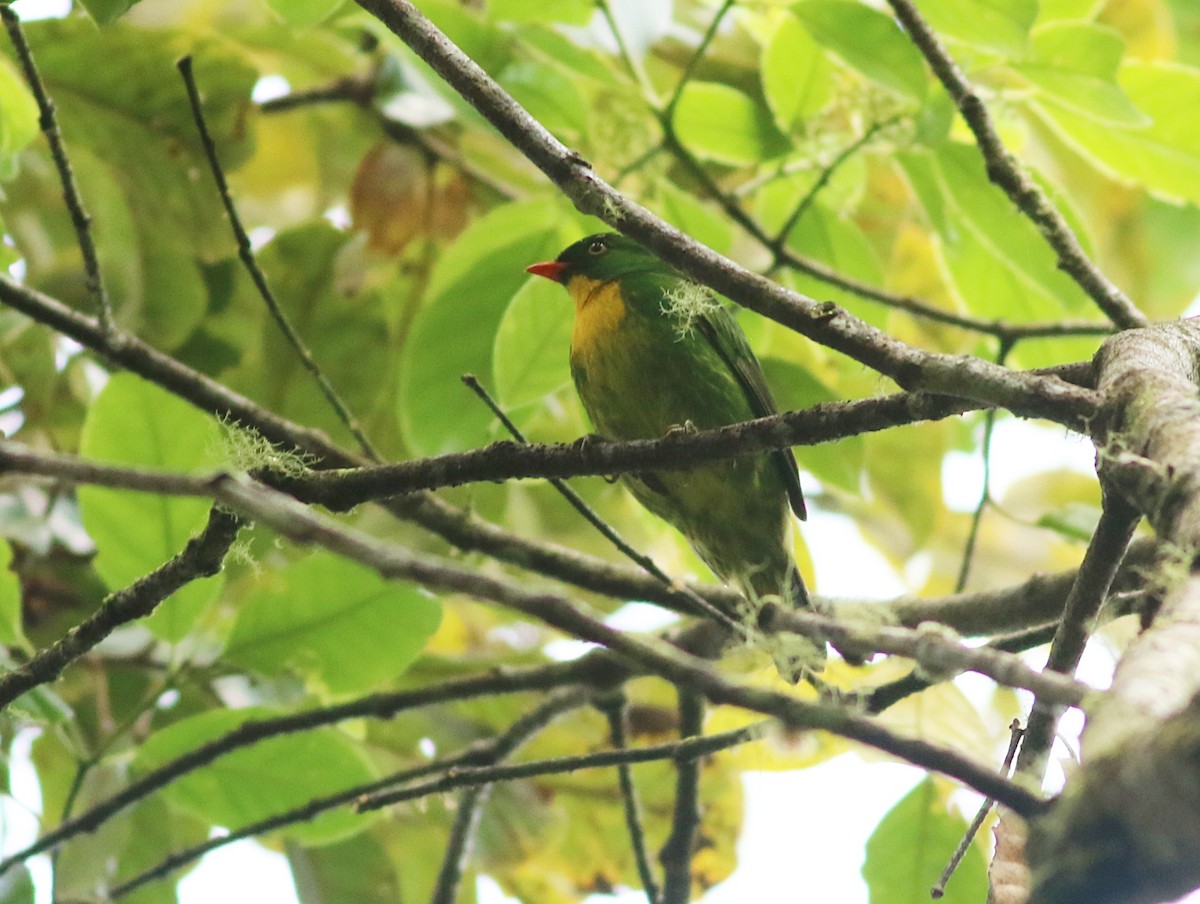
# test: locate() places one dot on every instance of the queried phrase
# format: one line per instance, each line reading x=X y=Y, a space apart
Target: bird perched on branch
x=652 y=353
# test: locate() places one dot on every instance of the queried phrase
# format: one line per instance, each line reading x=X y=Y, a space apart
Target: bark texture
x=1127 y=827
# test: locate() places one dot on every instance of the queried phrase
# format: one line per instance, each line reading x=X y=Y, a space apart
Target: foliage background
x=394 y=225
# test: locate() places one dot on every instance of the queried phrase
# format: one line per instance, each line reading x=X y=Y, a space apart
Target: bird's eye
x=597 y=247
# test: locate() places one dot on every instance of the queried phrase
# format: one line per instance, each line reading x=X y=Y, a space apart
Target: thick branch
x=1128 y=825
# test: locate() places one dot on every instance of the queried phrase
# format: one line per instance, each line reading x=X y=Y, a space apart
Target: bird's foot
x=687 y=428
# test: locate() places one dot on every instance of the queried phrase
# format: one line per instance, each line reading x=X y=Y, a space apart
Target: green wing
x=728 y=340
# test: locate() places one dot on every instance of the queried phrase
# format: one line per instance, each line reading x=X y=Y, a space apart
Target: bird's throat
x=599 y=309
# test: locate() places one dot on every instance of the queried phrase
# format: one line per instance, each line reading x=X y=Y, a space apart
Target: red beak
x=550 y=269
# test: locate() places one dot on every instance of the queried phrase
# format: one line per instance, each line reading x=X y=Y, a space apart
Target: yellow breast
x=599 y=308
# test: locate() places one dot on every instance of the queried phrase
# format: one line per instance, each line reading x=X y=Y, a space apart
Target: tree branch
x=48 y=122
x=1091 y=587
x=246 y=255
x=592 y=670
x=934 y=651
x=201 y=557
x=676 y=853
x=302 y=525
x=616 y=711
x=472 y=801
x=1004 y=170
x=960 y=376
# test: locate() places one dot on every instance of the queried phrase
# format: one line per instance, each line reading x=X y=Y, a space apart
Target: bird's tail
x=795 y=655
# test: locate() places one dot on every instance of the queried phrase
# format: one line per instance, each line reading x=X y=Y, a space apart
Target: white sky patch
x=31 y=10
x=243 y=873
x=846 y=564
x=339 y=216
x=641 y=617
x=1019 y=448
x=270 y=87
x=260 y=236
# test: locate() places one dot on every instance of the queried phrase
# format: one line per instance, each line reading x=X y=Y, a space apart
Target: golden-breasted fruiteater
x=653 y=352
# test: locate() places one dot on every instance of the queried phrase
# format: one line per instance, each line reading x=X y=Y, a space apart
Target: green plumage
x=653 y=352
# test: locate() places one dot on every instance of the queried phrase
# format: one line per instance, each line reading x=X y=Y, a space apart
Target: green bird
x=653 y=352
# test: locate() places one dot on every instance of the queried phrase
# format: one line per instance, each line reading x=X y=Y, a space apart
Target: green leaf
x=270 y=777
x=868 y=41
x=553 y=101
x=16 y=885
x=1001 y=264
x=12 y=633
x=720 y=123
x=304 y=13
x=684 y=210
x=345 y=333
x=337 y=623
x=133 y=422
x=797 y=77
x=18 y=119
x=1164 y=156
x=153 y=222
x=1075 y=521
x=357 y=870
x=105 y=12
x=1001 y=25
x=454 y=333
x=556 y=49
x=529 y=360
x=908 y=850
x=567 y=12
x=1074 y=65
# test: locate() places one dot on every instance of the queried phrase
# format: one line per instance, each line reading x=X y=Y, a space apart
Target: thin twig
x=1005 y=171
x=478 y=754
x=939 y=887
x=616 y=711
x=689 y=69
x=1092 y=583
x=472 y=801
x=703 y=606
x=201 y=557
x=679 y=751
x=457 y=771
x=635 y=68
x=676 y=853
x=985 y=494
x=48 y=122
x=246 y=254
x=590 y=670
x=781 y=236
x=784 y=256
x=302 y=524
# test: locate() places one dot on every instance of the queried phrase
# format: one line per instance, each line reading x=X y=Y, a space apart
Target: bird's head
x=599 y=258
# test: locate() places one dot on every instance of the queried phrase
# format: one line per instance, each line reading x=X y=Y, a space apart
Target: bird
x=653 y=353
